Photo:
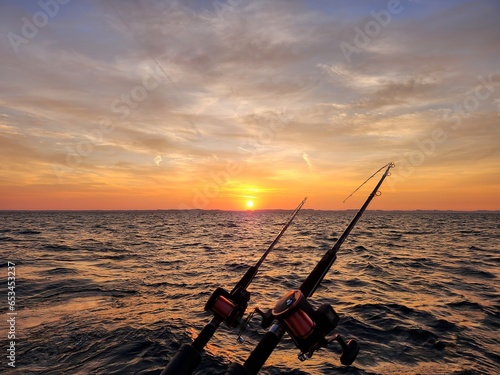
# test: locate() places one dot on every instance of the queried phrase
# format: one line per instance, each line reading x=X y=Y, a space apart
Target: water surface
x=117 y=292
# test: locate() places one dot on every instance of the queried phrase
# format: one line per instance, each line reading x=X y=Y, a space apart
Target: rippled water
x=119 y=292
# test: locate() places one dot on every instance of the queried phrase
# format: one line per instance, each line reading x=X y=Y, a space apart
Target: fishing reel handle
x=350 y=349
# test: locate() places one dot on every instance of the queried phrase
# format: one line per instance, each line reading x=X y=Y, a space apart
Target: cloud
x=306 y=158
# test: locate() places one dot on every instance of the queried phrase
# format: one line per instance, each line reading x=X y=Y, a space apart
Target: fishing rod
x=293 y=314
x=227 y=307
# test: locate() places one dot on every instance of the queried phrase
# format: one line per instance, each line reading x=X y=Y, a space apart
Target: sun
x=249 y=203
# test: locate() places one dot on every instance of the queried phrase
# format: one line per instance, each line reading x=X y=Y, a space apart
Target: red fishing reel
x=228 y=307
x=308 y=328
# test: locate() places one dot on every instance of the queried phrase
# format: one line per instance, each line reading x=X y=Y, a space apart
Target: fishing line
x=368 y=179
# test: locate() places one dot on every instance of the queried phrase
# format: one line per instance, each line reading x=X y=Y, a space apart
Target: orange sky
x=123 y=105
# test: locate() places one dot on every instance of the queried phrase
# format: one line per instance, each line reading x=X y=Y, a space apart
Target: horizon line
x=256 y=210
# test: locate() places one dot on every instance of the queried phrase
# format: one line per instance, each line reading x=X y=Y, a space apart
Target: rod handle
x=263 y=350
x=205 y=335
x=259 y=355
x=237 y=369
x=185 y=361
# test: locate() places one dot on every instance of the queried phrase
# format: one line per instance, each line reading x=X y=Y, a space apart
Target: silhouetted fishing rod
x=294 y=314
x=226 y=307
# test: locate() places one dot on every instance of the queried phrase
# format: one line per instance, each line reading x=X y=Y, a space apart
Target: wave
x=29 y=232
x=8 y=239
x=59 y=271
x=58 y=247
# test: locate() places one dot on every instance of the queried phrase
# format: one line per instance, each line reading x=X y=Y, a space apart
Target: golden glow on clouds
x=135 y=106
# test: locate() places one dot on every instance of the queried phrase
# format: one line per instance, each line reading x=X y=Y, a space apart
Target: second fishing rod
x=227 y=307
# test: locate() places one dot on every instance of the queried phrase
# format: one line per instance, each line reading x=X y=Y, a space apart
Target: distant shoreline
x=260 y=210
